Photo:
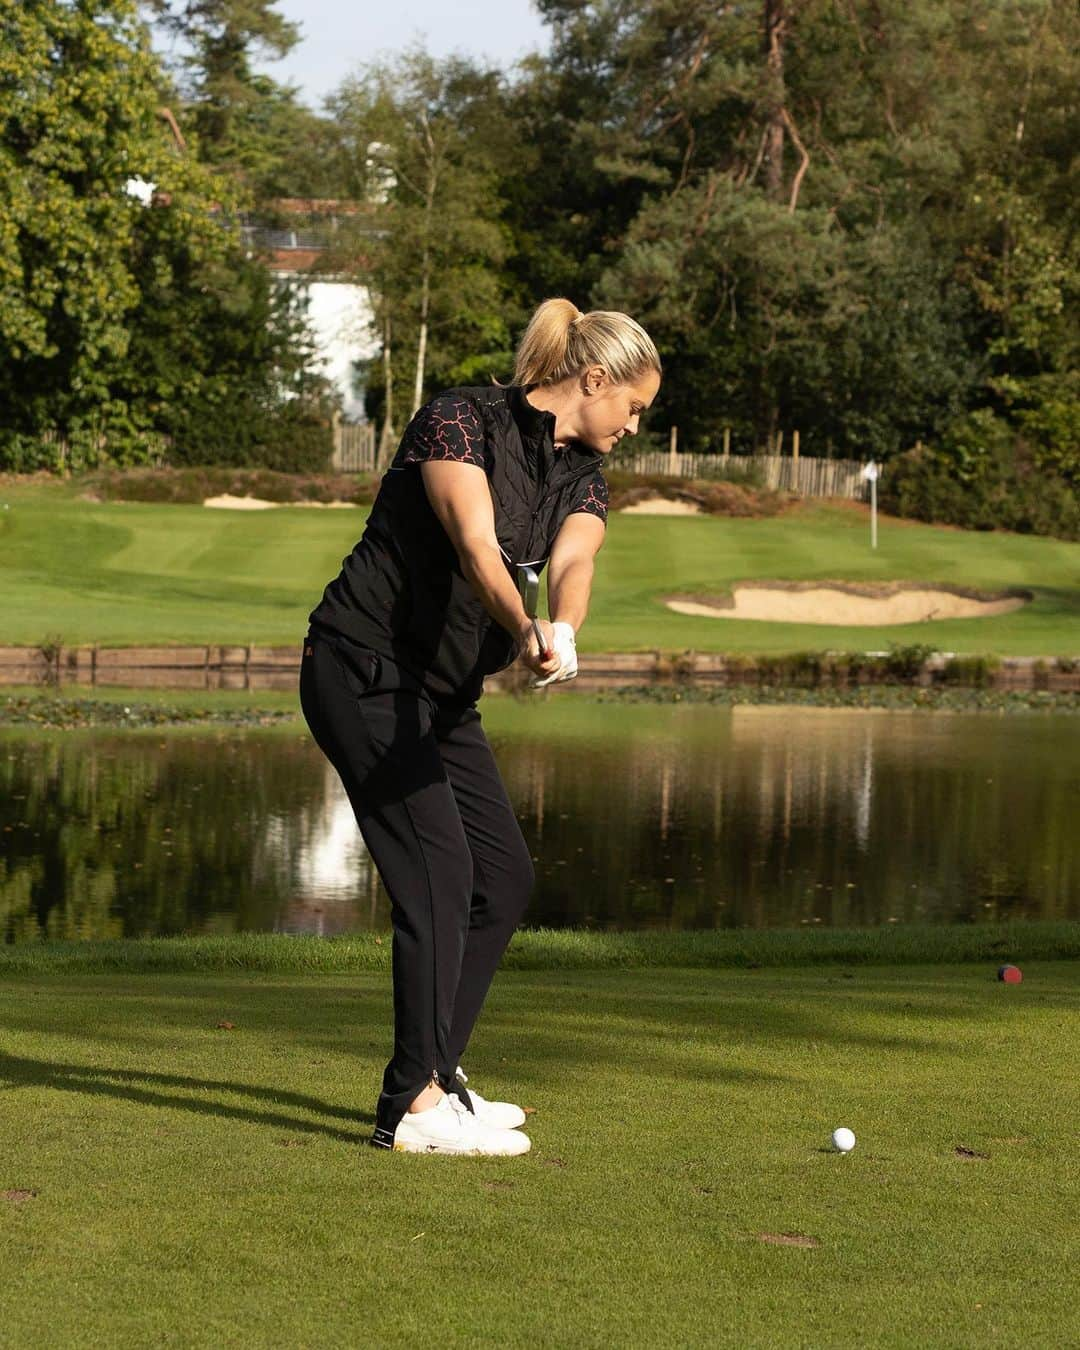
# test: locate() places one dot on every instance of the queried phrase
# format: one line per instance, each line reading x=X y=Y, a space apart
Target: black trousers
x=436 y=819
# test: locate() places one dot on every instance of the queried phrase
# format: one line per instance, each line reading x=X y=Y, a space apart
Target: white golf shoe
x=449 y=1127
x=503 y=1115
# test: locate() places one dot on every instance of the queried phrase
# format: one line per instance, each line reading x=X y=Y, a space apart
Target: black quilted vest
x=401 y=591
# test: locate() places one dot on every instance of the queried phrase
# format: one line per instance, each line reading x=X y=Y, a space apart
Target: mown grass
x=181 y=574
x=166 y=1179
x=567 y=949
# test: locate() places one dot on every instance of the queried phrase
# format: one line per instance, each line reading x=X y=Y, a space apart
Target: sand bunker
x=661 y=506
x=229 y=503
x=848 y=604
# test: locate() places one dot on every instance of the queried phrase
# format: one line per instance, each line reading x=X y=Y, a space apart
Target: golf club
x=529 y=588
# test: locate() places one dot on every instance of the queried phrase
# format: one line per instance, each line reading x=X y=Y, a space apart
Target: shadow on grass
x=678 y=1025
x=17 y=1072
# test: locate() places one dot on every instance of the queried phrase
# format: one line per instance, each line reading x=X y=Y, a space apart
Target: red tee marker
x=1010 y=974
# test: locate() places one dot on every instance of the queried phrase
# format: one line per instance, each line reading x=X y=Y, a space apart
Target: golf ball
x=843 y=1140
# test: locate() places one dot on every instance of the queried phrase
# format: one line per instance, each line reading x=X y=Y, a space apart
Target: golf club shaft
x=541 y=645
x=529 y=589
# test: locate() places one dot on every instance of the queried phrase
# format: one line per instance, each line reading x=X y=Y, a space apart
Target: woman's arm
x=461 y=499
x=570 y=570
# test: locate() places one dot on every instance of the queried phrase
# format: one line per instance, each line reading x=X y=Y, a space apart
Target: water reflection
x=637 y=817
x=332 y=871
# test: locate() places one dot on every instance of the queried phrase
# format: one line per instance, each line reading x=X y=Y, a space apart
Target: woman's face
x=611 y=411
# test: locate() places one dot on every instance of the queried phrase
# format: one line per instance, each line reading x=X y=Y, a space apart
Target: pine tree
x=244 y=121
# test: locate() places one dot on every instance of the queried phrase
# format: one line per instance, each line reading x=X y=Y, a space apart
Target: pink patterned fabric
x=447 y=428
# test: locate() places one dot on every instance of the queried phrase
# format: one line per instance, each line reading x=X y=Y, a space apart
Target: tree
x=784 y=193
x=79 y=117
x=113 y=314
x=244 y=122
x=417 y=137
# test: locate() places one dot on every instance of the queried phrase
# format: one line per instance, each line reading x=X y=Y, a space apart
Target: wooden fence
x=809 y=477
x=355 y=451
x=354 y=447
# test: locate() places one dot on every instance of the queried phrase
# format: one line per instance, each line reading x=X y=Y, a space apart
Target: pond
x=638 y=817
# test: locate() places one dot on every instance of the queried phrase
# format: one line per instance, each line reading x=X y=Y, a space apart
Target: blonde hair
x=560 y=342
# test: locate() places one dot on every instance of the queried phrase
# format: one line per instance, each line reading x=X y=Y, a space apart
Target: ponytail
x=560 y=342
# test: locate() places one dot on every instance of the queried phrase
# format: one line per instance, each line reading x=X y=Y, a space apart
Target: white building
x=339 y=310
x=339 y=313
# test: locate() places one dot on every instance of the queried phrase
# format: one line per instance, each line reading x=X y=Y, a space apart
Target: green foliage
x=1002 y=487
x=771 y=318
x=292 y=440
x=130 y=331
x=226 y=368
x=870 y=235
x=975 y=447
x=77 y=119
x=1049 y=419
x=907 y=662
x=901 y=664
x=245 y=122
x=860 y=240
x=973 y=672
x=421 y=139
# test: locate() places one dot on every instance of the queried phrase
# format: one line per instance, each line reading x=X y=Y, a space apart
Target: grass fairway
x=125 y=573
x=190 y=1185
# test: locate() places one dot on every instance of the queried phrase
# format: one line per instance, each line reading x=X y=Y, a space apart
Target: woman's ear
x=593 y=380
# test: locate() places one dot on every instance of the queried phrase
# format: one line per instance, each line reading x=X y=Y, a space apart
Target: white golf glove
x=565 y=645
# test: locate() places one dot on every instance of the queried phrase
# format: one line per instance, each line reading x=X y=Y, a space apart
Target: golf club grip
x=541 y=645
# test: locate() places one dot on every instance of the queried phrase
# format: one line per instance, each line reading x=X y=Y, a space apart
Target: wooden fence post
x=794 y=445
x=673 y=453
x=727 y=440
x=337 y=438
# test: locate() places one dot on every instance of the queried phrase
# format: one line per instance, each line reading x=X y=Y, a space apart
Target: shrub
x=796 y=668
x=737 y=665
x=1050 y=422
x=714 y=496
x=745 y=470
x=905 y=663
x=194 y=485
x=296 y=438
x=1003 y=490
x=973 y=671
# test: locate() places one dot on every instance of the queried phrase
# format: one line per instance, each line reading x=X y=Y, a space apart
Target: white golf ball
x=843 y=1139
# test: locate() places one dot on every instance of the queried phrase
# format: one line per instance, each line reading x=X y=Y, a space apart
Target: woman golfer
x=485 y=480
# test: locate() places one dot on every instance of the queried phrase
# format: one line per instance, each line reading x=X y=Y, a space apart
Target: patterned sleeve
x=446 y=428
x=592 y=497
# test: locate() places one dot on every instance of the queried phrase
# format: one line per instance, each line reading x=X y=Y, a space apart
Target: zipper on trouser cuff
x=381 y=1137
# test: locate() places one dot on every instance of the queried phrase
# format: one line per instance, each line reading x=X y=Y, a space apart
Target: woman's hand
x=566 y=650
x=541 y=664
